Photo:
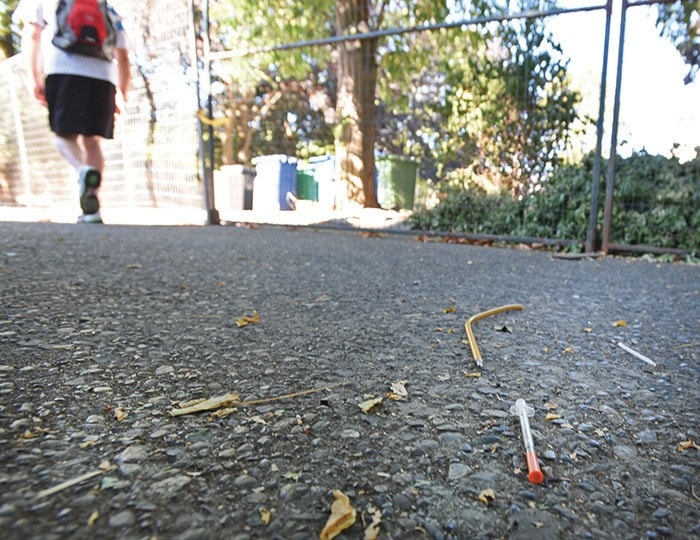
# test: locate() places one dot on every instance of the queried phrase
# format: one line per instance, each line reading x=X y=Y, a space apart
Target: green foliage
x=678 y=21
x=9 y=40
x=656 y=203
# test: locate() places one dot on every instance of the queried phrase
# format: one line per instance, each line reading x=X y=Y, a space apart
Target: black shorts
x=80 y=105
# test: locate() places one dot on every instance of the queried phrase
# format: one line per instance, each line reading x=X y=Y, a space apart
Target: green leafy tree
x=248 y=24
x=9 y=41
x=680 y=23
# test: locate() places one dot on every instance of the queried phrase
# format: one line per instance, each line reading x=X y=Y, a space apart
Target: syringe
x=523 y=410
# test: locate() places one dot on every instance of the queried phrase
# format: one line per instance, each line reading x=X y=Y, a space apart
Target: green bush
x=656 y=203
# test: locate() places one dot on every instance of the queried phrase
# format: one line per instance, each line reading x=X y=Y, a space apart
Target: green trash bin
x=307 y=187
x=396 y=181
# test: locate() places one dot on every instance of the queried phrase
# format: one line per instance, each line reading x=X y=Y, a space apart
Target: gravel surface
x=106 y=329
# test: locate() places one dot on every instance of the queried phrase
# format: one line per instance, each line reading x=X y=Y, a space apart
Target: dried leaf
x=133 y=266
x=620 y=323
x=210 y=404
x=265 y=515
x=569 y=350
x=87 y=444
x=399 y=388
x=486 y=496
x=550 y=406
x=685 y=445
x=245 y=320
x=368 y=405
x=473 y=375
x=119 y=414
x=552 y=416
x=588 y=330
x=93 y=518
x=372 y=530
x=449 y=309
x=291 y=476
x=223 y=413
x=502 y=328
x=342 y=516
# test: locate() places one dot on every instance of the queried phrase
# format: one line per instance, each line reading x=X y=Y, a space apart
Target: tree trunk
x=357 y=109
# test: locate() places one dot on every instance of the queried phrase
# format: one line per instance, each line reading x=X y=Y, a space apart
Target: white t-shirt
x=58 y=61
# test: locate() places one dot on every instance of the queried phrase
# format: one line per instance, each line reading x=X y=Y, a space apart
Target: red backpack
x=84 y=27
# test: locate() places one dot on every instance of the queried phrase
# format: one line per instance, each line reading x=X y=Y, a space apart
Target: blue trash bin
x=275 y=177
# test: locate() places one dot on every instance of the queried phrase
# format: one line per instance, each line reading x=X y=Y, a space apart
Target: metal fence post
x=591 y=239
x=612 y=161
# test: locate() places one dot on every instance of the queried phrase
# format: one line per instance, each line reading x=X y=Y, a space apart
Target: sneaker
x=89 y=180
x=95 y=217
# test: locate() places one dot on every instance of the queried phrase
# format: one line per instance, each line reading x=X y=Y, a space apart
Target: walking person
x=79 y=63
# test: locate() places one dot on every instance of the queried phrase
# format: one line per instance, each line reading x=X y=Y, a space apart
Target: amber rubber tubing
x=470 y=333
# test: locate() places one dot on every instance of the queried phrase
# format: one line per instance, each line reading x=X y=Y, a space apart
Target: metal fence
x=158 y=158
x=151 y=162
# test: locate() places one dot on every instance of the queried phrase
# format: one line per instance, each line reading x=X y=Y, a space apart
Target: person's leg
x=90 y=175
x=92 y=145
x=69 y=148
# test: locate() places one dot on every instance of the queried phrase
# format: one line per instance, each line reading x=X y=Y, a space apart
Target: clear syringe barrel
x=522 y=410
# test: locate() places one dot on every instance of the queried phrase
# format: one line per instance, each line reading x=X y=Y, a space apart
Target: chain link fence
x=155 y=159
x=152 y=161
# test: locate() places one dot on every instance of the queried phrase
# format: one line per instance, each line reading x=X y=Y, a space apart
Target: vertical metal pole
x=212 y=213
x=590 y=245
x=612 y=161
x=205 y=151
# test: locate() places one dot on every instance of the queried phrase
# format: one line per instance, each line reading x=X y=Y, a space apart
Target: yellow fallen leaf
x=93 y=518
x=223 y=413
x=486 y=496
x=569 y=350
x=372 y=530
x=201 y=405
x=685 y=445
x=265 y=515
x=368 y=405
x=588 y=330
x=449 y=309
x=552 y=416
x=342 y=516
x=550 y=406
x=473 y=375
x=245 y=320
x=620 y=323
x=119 y=414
